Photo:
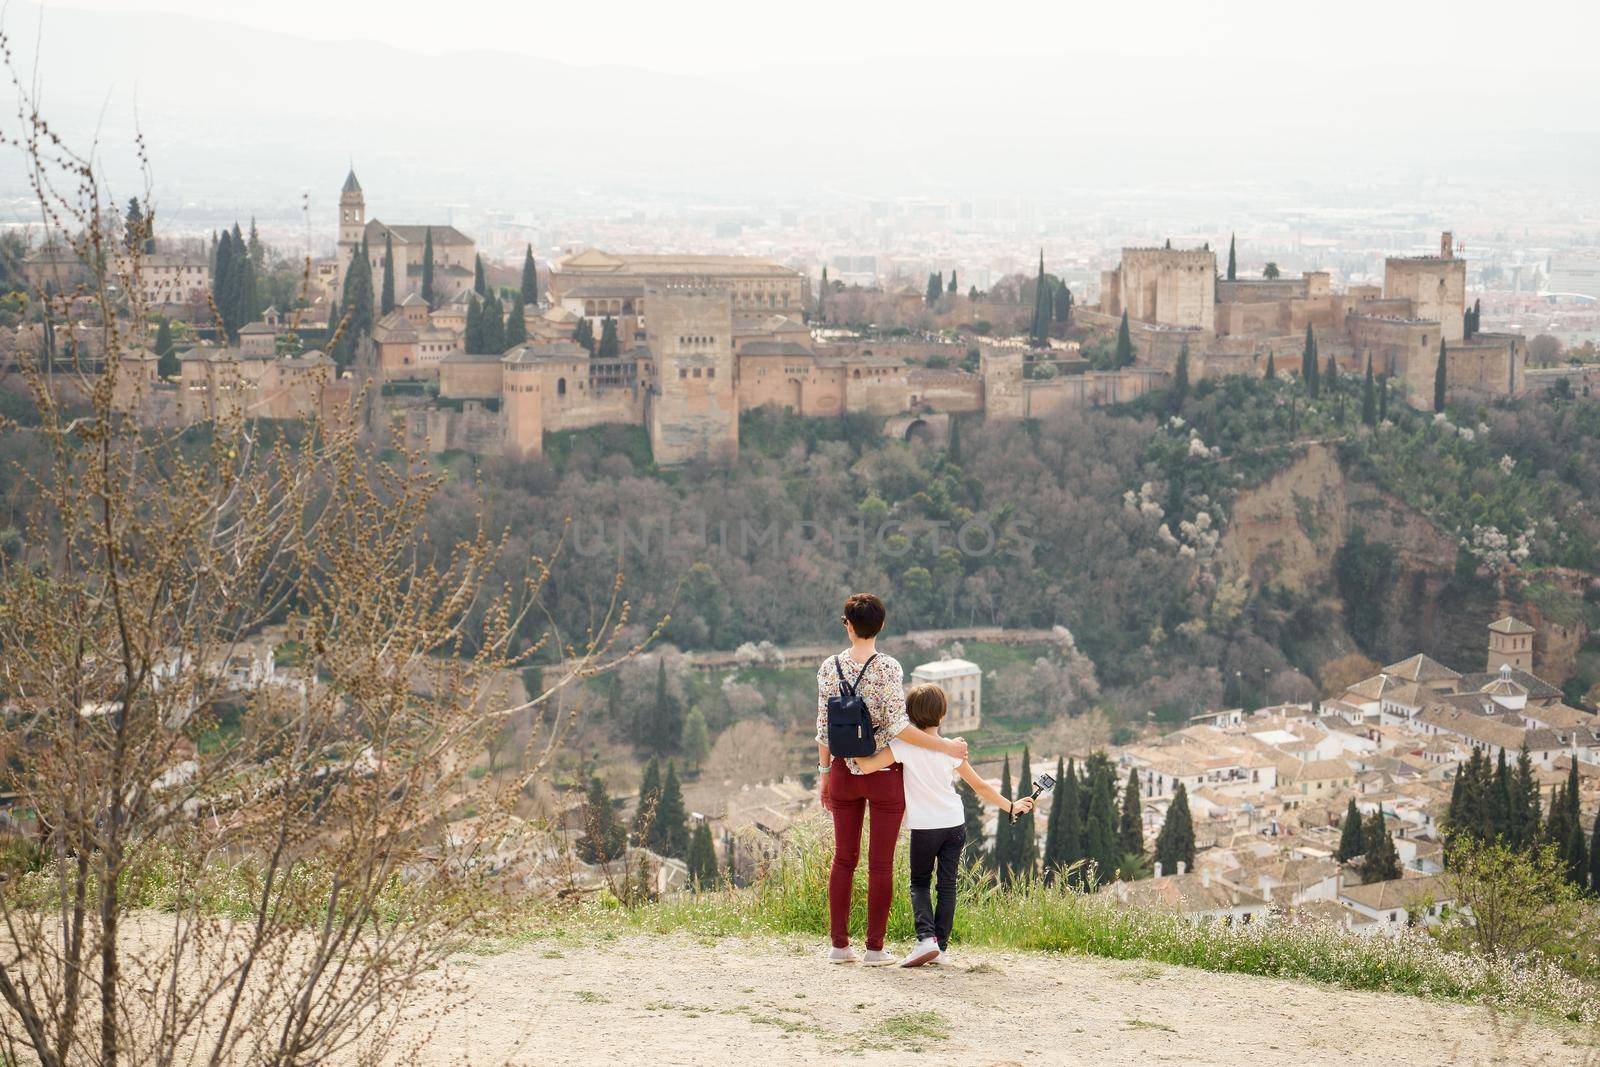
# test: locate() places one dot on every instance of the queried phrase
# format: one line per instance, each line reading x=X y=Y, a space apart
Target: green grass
x=915 y=1026
x=792 y=900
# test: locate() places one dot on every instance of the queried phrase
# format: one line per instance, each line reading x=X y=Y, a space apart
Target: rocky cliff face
x=1288 y=533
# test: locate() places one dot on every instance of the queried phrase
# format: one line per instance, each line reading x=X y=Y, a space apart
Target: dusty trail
x=679 y=1000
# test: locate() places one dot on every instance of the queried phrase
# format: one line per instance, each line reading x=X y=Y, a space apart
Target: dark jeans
x=926 y=847
x=850 y=797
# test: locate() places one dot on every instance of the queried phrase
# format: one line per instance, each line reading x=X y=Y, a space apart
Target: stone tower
x=523 y=402
x=352 y=217
x=1510 y=644
x=1435 y=285
x=1001 y=371
x=694 y=409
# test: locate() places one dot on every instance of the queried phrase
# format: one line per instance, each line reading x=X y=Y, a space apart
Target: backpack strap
x=850 y=687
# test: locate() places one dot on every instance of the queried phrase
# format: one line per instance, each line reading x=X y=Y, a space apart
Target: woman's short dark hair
x=865 y=614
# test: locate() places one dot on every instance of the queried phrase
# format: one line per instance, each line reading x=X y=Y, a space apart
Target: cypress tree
x=972 y=817
x=1439 y=383
x=1524 y=821
x=494 y=326
x=1041 y=305
x=1024 y=835
x=1498 y=805
x=1351 y=843
x=516 y=325
x=1383 y=862
x=583 y=335
x=1272 y=369
x=1575 y=856
x=1063 y=304
x=666 y=725
x=1052 y=829
x=951 y=288
x=221 y=276
x=822 y=297
x=474 y=337
x=1594 y=857
x=164 y=348
x=604 y=839
x=1383 y=398
x=1233 y=262
x=1452 y=815
x=702 y=858
x=669 y=830
x=530 y=280
x=357 y=304
x=935 y=289
x=1124 y=355
x=1180 y=379
x=427 y=266
x=610 y=346
x=1130 y=824
x=1175 y=842
x=1101 y=832
x=1330 y=373
x=1004 y=863
x=386 y=298
x=649 y=801
x=133 y=225
x=1308 y=364
x=696 y=738
x=257 y=250
x=479 y=285
x=1072 y=817
x=1369 y=397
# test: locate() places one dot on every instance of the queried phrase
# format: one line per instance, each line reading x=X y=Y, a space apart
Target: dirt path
x=677 y=1000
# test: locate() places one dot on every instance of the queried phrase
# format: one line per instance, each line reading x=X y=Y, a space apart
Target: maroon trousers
x=850 y=796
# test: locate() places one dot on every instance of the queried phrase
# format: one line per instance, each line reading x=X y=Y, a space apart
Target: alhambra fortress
x=703 y=338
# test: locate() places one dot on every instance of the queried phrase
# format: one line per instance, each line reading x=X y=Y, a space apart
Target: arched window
x=561 y=387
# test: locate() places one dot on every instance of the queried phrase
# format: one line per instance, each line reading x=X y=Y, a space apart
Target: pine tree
x=516 y=324
x=972 y=817
x=649 y=801
x=1175 y=843
x=530 y=280
x=669 y=830
x=1004 y=863
x=1272 y=369
x=1130 y=825
x=1439 y=384
x=479 y=285
x=696 y=738
x=427 y=266
x=1124 y=354
x=386 y=297
x=1100 y=835
x=1233 y=262
x=610 y=346
x=1052 y=826
x=1024 y=835
x=604 y=839
x=1369 y=397
x=1180 y=380
x=702 y=858
x=1383 y=862
x=1351 y=843
x=1271 y=271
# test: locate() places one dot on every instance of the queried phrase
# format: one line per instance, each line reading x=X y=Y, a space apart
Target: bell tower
x=352 y=216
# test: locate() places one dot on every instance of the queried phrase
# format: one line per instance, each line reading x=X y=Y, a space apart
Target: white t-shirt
x=929 y=776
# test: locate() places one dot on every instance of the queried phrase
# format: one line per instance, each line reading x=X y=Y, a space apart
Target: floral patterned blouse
x=882 y=686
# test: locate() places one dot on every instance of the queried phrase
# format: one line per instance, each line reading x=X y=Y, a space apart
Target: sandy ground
x=677 y=1000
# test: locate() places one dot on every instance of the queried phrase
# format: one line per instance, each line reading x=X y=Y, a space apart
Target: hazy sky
x=713 y=36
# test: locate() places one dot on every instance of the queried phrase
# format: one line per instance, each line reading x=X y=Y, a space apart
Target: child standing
x=936 y=820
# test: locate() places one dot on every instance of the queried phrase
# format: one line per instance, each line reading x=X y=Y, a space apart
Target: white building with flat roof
x=962 y=682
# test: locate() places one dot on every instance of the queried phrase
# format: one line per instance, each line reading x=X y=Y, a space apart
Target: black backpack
x=849 y=723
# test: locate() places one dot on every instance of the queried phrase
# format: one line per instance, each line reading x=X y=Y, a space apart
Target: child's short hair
x=865 y=613
x=925 y=705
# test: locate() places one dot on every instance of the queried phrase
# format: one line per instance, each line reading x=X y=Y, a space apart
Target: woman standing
x=849 y=794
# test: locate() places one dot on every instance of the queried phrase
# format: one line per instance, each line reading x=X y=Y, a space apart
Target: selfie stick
x=1040 y=784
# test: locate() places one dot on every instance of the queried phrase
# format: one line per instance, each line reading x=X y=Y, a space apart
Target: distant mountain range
x=241 y=118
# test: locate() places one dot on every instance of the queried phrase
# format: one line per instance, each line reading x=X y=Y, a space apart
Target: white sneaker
x=927 y=951
x=943 y=959
x=842 y=955
x=876 y=957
